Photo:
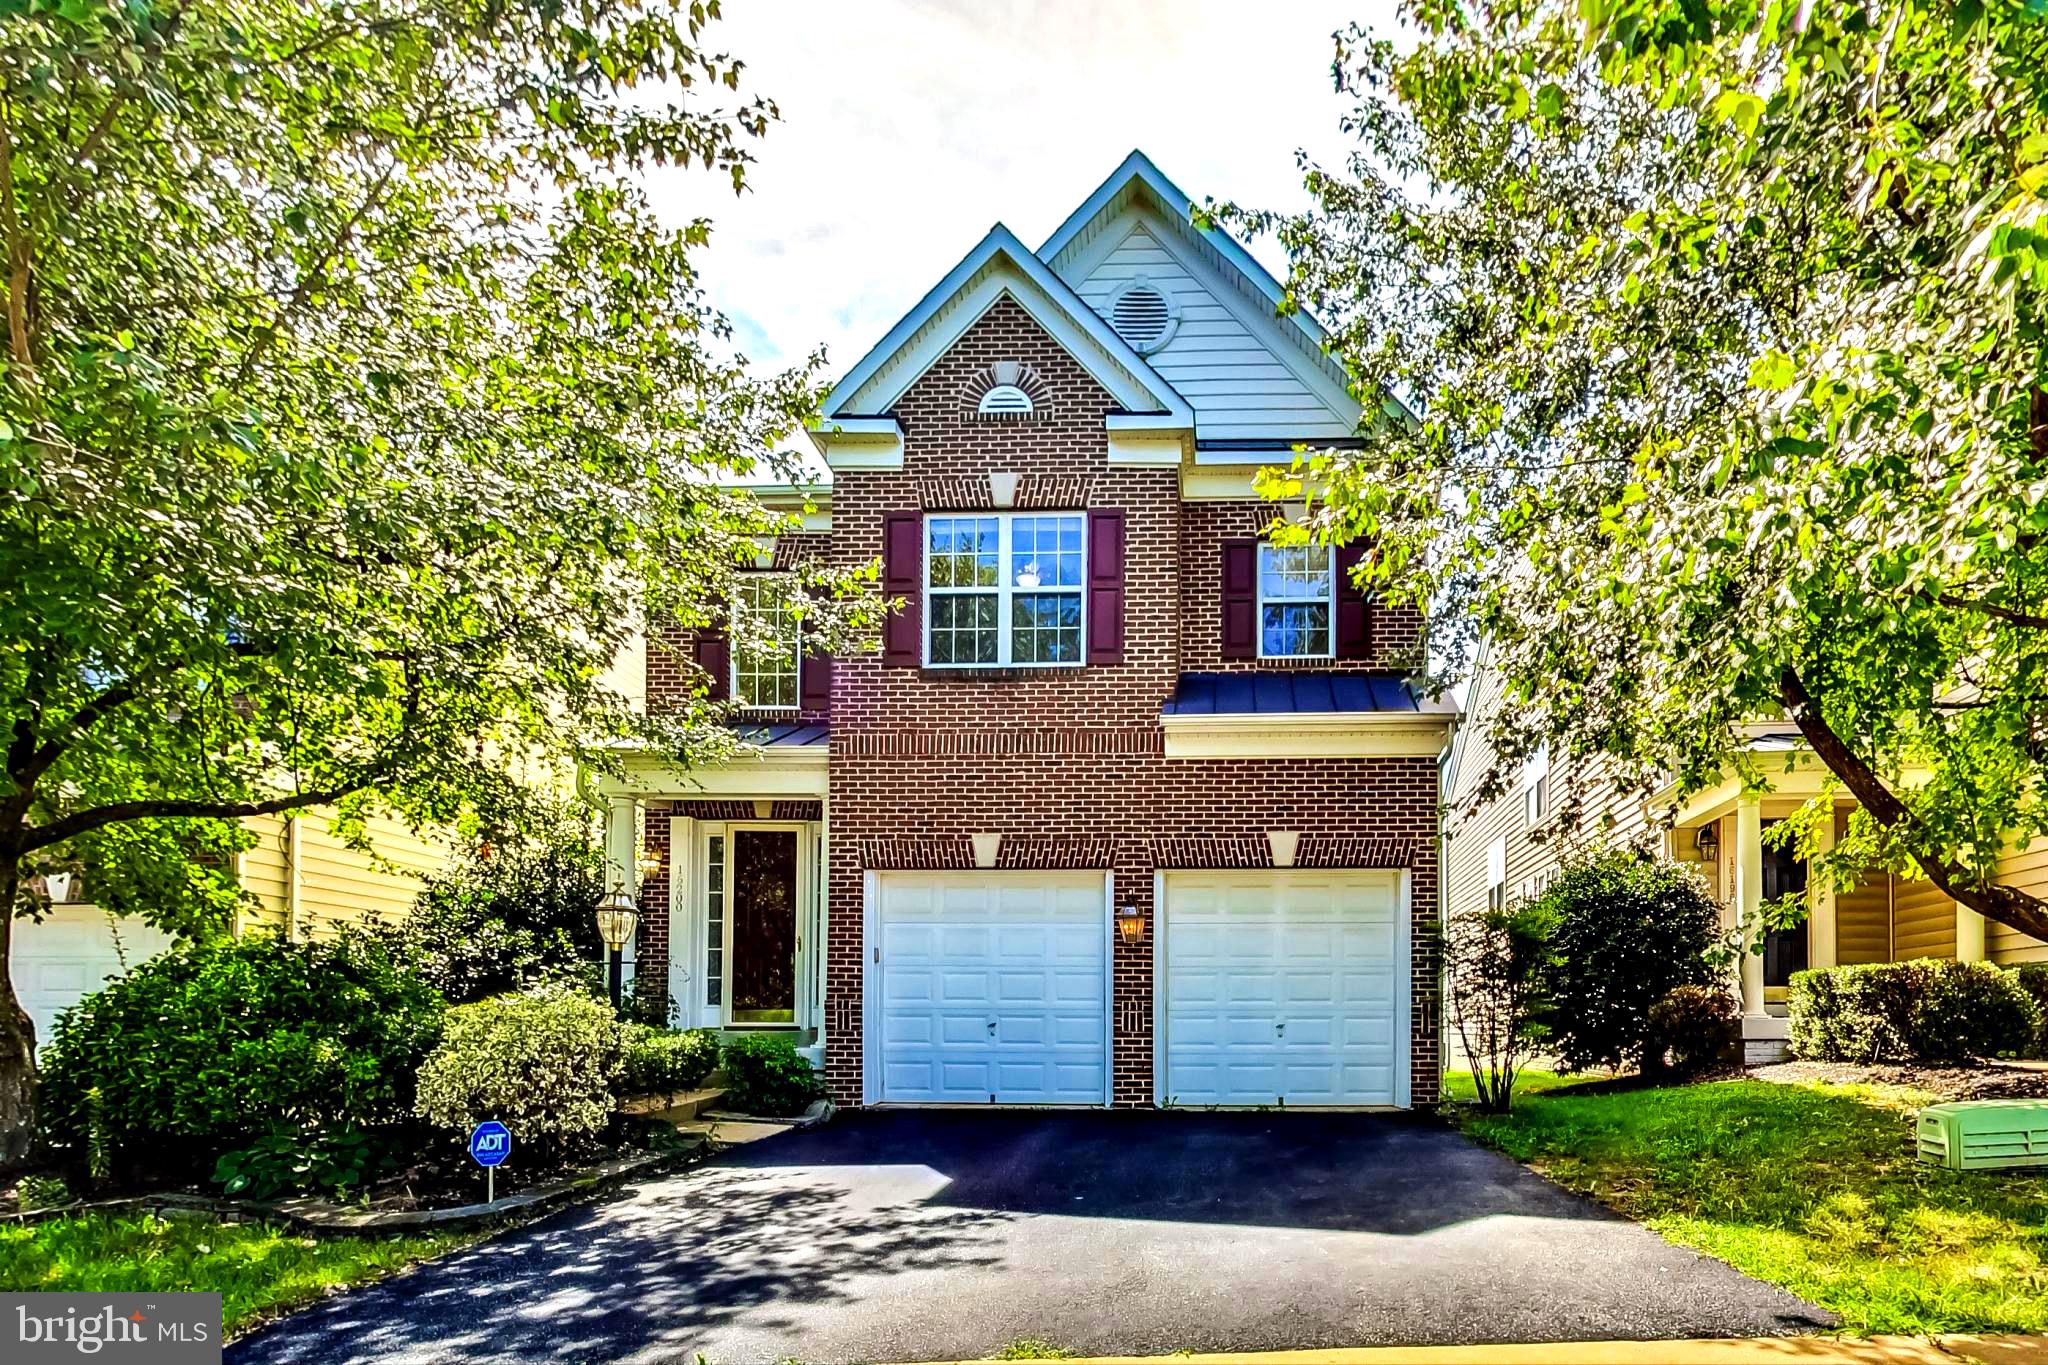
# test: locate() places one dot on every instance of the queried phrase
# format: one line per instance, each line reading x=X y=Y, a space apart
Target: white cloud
x=909 y=126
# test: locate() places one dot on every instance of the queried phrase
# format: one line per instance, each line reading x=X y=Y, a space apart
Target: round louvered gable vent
x=1143 y=315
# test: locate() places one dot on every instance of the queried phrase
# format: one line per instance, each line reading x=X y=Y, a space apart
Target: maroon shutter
x=1240 y=599
x=713 y=652
x=903 y=576
x=1354 y=637
x=814 y=683
x=1105 y=587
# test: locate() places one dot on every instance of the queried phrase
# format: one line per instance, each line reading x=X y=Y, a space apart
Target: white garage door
x=1285 y=987
x=71 y=954
x=992 y=988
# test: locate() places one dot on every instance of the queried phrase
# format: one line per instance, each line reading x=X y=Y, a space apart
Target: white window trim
x=1259 y=603
x=732 y=663
x=1536 y=792
x=1497 y=873
x=1002 y=587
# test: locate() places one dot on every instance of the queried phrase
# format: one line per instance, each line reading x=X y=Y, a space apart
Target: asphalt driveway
x=937 y=1235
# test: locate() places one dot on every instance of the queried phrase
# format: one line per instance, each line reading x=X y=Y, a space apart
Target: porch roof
x=1295 y=693
x=794 y=734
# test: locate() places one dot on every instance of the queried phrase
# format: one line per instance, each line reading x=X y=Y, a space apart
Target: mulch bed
x=1988 y=1081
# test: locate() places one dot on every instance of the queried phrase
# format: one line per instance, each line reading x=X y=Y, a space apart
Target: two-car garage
x=1277 y=986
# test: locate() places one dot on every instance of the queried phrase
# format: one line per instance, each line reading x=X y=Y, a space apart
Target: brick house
x=1133 y=807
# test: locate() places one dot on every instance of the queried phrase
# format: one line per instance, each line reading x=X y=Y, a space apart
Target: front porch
x=727 y=866
x=1881 y=918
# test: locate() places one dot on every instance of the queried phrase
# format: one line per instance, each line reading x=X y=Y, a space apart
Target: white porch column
x=621 y=854
x=1749 y=897
x=1969 y=934
x=1821 y=935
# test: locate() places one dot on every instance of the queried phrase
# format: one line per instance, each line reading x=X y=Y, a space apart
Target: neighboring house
x=1507 y=848
x=1132 y=807
x=303 y=881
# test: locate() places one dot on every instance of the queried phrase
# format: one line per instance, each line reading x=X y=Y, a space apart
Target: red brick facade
x=1068 y=764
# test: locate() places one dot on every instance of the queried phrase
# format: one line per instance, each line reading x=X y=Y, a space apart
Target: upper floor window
x=1003 y=589
x=1497 y=873
x=1536 y=786
x=1296 y=592
x=765 y=646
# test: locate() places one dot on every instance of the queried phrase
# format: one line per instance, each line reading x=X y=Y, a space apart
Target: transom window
x=1003 y=589
x=764 y=645
x=1296 y=590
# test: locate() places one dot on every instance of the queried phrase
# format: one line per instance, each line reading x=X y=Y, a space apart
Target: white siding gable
x=1243 y=381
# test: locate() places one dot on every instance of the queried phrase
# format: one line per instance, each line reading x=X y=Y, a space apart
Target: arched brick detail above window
x=1007 y=391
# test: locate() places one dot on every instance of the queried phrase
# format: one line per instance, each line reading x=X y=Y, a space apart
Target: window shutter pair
x=903 y=576
x=713 y=653
x=1240 y=601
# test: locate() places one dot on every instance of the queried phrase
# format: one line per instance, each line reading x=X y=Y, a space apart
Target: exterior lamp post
x=616 y=919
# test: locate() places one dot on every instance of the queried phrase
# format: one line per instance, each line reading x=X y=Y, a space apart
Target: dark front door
x=764 y=893
x=1784 y=949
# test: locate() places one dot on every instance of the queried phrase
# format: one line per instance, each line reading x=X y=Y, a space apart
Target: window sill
x=994 y=673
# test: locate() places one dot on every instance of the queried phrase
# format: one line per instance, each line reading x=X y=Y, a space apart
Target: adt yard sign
x=490 y=1142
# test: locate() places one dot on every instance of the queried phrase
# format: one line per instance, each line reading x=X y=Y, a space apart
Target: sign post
x=490 y=1142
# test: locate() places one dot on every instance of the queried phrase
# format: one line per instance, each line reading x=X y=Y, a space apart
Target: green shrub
x=660 y=1062
x=508 y=918
x=213 y=1045
x=764 y=1075
x=1625 y=931
x=1692 y=1028
x=541 y=1062
x=334 y=1163
x=1928 y=1010
x=2033 y=979
x=1496 y=969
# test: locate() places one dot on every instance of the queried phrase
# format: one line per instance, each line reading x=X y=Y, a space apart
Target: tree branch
x=2005 y=904
x=97 y=817
x=2029 y=620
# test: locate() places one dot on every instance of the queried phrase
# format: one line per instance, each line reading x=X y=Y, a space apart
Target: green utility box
x=1985 y=1135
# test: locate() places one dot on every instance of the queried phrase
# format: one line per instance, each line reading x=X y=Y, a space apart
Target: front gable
x=1254 y=377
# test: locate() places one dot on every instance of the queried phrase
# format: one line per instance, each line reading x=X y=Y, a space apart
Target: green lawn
x=1813 y=1187
x=257 y=1270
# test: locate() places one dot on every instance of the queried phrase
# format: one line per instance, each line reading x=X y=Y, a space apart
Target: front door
x=764 y=925
x=1785 y=950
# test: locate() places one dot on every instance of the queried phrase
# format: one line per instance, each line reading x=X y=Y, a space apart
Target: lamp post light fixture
x=617 y=917
x=1706 y=841
x=1130 y=925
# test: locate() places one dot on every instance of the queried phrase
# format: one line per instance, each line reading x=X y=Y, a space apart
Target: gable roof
x=1001 y=265
x=1137 y=182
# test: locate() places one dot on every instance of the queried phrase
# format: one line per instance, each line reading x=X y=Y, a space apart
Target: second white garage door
x=1285 y=987
x=992 y=988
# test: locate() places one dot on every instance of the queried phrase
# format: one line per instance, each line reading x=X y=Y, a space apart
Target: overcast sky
x=910 y=126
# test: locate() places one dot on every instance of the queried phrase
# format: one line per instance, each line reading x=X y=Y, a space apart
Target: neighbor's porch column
x=1749 y=897
x=1821 y=947
x=1969 y=934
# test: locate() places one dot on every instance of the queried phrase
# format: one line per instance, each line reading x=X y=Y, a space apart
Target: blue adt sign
x=490 y=1143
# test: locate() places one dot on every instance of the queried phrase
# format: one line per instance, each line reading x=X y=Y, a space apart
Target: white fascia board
x=1369 y=734
x=1000 y=265
x=859 y=442
x=1144 y=446
x=778 y=770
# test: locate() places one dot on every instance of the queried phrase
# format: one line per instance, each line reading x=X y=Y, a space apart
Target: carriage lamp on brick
x=617 y=917
x=649 y=864
x=1130 y=926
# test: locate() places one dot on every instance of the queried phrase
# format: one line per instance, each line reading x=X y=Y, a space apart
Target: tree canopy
x=355 y=407
x=1719 y=330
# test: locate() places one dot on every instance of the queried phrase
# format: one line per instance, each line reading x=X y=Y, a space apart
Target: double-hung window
x=1536 y=787
x=1297 y=591
x=765 y=645
x=1003 y=589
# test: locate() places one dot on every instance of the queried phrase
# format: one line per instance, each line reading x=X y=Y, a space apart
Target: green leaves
x=1737 y=369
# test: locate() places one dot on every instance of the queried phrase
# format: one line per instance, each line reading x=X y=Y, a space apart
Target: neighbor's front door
x=764 y=926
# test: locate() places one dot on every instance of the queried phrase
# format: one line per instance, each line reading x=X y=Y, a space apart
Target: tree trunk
x=2006 y=905
x=17 y=1038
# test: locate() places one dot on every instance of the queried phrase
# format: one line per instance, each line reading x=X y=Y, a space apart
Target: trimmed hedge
x=764 y=1075
x=1692 y=1028
x=1929 y=1010
x=662 y=1062
x=2033 y=979
x=541 y=1062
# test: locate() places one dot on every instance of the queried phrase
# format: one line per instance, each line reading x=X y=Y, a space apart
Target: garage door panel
x=1020 y=962
x=73 y=952
x=1282 y=987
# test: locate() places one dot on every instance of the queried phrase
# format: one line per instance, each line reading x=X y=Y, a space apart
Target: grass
x=1032 y=1348
x=258 y=1270
x=1812 y=1187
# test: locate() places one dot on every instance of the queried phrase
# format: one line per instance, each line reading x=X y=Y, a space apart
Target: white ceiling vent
x=1144 y=315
